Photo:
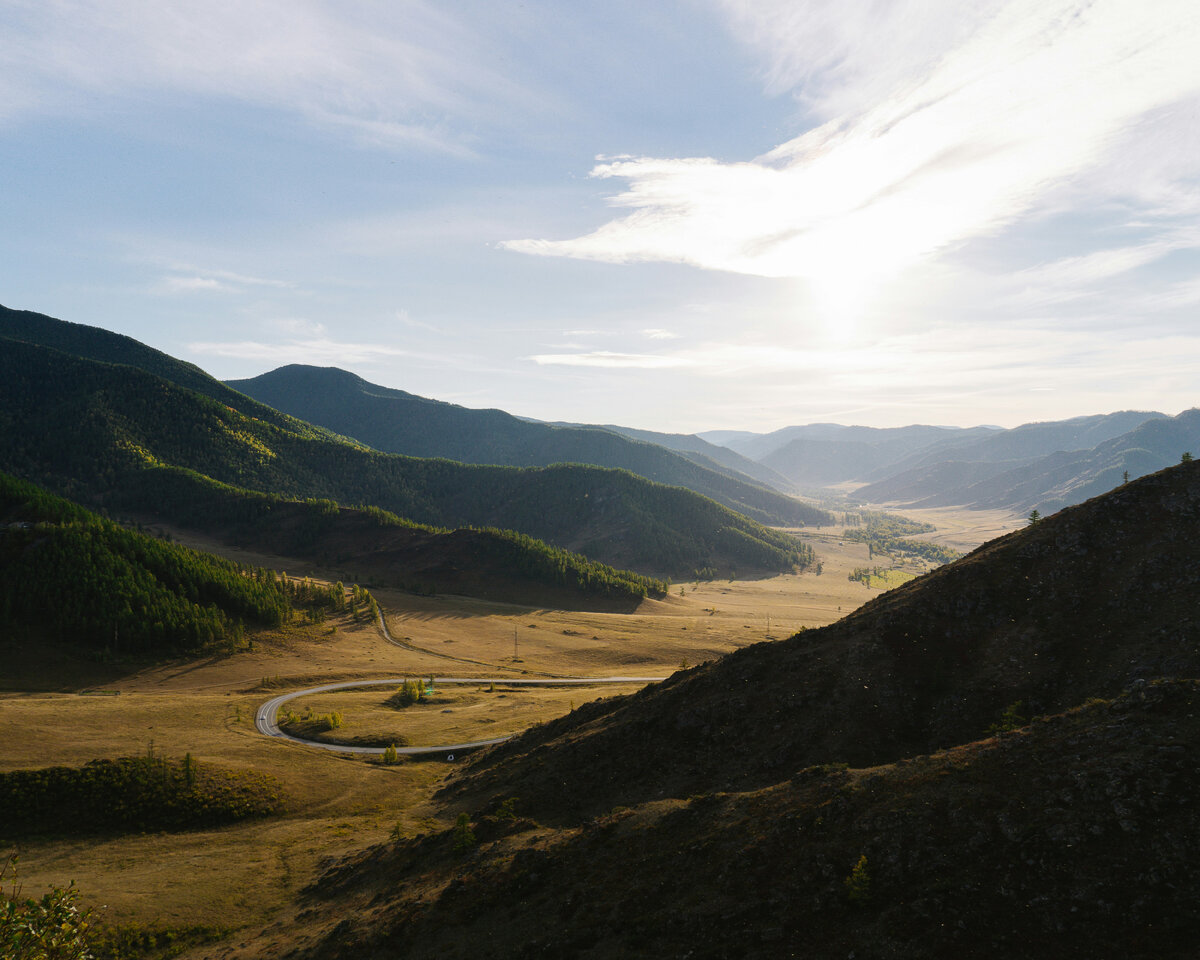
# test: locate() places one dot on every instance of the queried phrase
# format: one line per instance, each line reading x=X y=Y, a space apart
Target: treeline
x=318 y=527
x=561 y=568
x=72 y=575
x=131 y=794
x=886 y=534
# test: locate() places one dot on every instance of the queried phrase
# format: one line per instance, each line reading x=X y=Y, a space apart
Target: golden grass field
x=247 y=874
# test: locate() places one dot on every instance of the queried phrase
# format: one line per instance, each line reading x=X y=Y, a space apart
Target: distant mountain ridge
x=395 y=421
x=1043 y=465
x=695 y=448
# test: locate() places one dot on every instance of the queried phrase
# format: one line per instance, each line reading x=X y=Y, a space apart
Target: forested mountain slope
x=68 y=574
x=102 y=433
x=399 y=422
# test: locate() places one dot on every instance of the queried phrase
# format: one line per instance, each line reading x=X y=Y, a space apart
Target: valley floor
x=245 y=876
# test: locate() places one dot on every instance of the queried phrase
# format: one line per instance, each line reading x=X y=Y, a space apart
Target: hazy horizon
x=691 y=216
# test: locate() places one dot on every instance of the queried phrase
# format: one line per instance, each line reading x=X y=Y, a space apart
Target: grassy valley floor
x=244 y=876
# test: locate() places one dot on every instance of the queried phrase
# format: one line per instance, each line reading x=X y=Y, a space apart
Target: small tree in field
x=464 y=836
x=1035 y=516
x=858 y=883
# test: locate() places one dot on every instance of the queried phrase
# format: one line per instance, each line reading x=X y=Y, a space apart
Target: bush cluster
x=131 y=793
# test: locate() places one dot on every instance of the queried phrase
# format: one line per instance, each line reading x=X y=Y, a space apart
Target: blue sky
x=684 y=215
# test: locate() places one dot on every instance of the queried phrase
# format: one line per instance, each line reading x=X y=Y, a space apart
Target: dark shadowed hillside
x=1079 y=605
x=372 y=545
x=994 y=761
x=399 y=422
x=1076 y=837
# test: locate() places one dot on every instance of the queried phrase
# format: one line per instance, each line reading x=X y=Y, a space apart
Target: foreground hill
x=104 y=432
x=399 y=422
x=1075 y=837
x=992 y=761
x=1078 y=605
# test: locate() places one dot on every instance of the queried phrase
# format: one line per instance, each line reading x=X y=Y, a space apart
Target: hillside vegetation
x=993 y=760
x=399 y=422
x=71 y=575
x=99 y=433
x=368 y=543
x=131 y=794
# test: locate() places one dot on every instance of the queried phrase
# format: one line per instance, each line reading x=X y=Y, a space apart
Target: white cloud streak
x=956 y=136
x=382 y=74
x=610 y=359
x=320 y=350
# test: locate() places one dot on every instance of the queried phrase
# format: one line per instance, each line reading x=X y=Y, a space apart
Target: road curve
x=265 y=717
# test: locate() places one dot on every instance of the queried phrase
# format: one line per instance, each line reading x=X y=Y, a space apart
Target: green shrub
x=131 y=793
x=858 y=883
x=51 y=928
x=464 y=836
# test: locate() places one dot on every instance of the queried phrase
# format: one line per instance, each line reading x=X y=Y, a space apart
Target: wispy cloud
x=187 y=278
x=655 y=333
x=965 y=129
x=610 y=359
x=191 y=285
x=387 y=75
x=320 y=350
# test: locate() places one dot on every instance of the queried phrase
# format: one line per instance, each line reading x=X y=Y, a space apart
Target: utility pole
x=514 y=644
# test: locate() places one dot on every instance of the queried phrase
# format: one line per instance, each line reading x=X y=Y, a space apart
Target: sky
x=684 y=215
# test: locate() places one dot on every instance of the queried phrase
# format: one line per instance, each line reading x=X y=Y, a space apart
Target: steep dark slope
x=1077 y=837
x=399 y=422
x=1079 y=605
x=100 y=432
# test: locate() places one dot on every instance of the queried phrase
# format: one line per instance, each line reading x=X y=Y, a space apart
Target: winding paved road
x=265 y=717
